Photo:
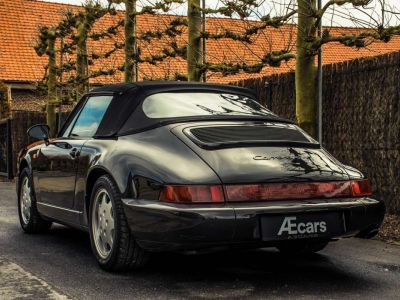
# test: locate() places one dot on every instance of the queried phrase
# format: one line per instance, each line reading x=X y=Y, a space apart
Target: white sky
x=338 y=16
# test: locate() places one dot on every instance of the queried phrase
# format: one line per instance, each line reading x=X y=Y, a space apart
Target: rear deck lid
x=254 y=152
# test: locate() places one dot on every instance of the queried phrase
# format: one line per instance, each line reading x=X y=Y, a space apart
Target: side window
x=88 y=121
x=68 y=129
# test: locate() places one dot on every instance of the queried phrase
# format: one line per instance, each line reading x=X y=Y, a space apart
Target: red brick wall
x=27 y=100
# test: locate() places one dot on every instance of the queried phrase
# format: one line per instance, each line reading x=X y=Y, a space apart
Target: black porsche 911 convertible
x=172 y=166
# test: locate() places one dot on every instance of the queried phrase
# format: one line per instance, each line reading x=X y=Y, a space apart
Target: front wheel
x=112 y=242
x=29 y=217
x=301 y=247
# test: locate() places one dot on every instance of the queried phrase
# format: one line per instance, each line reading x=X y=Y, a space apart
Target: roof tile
x=20 y=20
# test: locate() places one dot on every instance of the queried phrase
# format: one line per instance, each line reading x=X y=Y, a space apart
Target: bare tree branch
x=358 y=40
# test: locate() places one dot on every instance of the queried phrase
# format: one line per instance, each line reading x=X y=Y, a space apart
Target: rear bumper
x=166 y=227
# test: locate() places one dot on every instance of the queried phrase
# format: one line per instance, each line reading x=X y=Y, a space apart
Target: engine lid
x=247 y=152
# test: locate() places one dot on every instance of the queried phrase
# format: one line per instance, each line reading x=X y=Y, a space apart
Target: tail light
x=192 y=194
x=290 y=191
x=361 y=188
x=264 y=192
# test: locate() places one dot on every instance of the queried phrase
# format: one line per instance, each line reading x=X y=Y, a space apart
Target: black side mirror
x=40 y=132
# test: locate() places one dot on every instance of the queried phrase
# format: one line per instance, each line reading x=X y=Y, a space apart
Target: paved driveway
x=60 y=265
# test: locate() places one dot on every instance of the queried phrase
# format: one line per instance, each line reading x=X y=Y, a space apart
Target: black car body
x=267 y=182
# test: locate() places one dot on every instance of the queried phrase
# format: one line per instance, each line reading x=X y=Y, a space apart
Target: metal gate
x=6 y=168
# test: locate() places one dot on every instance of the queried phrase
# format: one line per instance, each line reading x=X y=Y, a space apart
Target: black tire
x=301 y=247
x=125 y=253
x=35 y=223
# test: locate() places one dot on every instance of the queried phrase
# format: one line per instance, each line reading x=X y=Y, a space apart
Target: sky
x=338 y=16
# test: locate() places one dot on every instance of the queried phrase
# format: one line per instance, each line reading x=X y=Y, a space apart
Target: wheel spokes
x=103 y=226
x=25 y=200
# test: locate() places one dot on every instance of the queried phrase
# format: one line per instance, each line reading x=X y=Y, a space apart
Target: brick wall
x=27 y=100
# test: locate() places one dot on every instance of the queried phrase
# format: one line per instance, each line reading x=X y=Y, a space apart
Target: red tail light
x=361 y=188
x=192 y=194
x=264 y=192
x=289 y=191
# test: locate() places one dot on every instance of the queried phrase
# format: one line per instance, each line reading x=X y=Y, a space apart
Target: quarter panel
x=155 y=154
x=91 y=153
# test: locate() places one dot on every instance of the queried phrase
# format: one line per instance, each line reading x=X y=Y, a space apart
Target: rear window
x=175 y=105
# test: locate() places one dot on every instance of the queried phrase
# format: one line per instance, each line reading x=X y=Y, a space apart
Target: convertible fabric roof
x=147 y=86
x=124 y=117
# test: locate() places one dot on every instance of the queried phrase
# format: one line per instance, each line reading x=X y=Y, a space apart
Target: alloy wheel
x=25 y=200
x=103 y=223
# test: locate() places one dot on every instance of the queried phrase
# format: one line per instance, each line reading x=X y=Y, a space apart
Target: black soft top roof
x=128 y=96
x=156 y=86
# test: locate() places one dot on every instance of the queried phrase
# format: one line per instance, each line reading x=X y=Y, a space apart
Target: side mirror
x=40 y=132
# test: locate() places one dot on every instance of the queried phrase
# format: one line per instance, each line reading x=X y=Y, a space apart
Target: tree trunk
x=305 y=68
x=52 y=100
x=4 y=101
x=82 y=61
x=194 y=40
x=130 y=67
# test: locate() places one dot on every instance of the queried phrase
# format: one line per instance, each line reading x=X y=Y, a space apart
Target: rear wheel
x=31 y=221
x=302 y=247
x=112 y=242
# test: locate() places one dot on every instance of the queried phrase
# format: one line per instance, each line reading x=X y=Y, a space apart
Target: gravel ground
x=390 y=230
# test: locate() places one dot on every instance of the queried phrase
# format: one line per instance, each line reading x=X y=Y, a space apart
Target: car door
x=59 y=160
x=57 y=172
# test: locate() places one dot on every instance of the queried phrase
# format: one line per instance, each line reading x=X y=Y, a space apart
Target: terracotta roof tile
x=20 y=20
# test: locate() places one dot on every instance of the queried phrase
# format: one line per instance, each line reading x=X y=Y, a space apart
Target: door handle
x=74 y=153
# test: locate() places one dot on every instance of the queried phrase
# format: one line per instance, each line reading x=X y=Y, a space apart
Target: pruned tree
x=52 y=100
x=130 y=44
x=75 y=27
x=4 y=101
x=194 y=40
x=47 y=45
x=308 y=42
x=308 y=17
x=75 y=32
x=130 y=65
x=84 y=21
x=131 y=47
x=242 y=10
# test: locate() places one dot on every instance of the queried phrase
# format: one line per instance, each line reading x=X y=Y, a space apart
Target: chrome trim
x=272 y=206
x=61 y=208
x=165 y=206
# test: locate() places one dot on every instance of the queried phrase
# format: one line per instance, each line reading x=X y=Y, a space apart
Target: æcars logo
x=291 y=227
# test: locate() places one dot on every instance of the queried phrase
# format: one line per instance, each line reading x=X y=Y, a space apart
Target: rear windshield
x=174 y=105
